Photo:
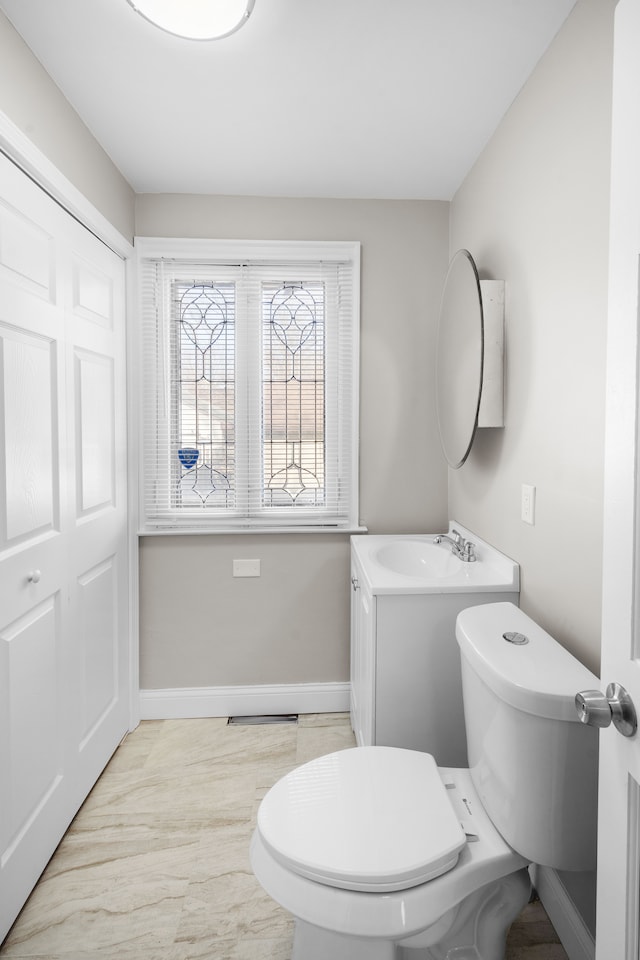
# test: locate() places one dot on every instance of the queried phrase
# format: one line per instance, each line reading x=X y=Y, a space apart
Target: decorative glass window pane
x=204 y=394
x=293 y=410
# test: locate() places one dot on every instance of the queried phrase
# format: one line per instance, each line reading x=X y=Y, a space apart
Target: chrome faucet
x=463 y=549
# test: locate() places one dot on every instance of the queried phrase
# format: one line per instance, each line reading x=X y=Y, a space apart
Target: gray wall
x=534 y=212
x=37 y=107
x=199 y=626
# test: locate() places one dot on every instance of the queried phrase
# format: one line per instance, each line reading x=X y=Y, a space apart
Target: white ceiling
x=315 y=98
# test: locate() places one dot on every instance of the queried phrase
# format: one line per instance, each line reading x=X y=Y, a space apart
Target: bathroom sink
x=417 y=558
x=413 y=563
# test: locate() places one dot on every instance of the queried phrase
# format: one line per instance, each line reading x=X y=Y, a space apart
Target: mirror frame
x=460 y=358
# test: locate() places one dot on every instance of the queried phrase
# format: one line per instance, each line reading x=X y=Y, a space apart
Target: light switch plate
x=246 y=568
x=528 y=504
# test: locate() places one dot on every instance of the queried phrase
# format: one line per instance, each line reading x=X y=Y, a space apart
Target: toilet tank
x=532 y=762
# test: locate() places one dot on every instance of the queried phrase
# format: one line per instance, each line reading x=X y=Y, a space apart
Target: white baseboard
x=189 y=702
x=573 y=932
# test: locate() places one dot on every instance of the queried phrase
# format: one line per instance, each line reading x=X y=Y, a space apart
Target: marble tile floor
x=155 y=865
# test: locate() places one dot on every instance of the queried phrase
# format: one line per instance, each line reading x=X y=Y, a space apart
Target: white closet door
x=64 y=703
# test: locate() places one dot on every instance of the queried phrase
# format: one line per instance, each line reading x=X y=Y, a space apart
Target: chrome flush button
x=517 y=638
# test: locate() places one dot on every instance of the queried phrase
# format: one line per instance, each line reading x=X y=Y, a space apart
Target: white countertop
x=431 y=572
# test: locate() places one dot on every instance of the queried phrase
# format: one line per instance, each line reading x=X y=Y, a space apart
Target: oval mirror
x=459 y=358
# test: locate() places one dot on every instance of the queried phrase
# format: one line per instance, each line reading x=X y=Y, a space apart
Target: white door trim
x=17 y=146
x=26 y=155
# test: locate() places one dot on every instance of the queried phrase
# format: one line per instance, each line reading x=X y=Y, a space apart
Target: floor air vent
x=264 y=718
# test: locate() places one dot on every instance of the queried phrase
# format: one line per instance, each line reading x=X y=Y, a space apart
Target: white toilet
x=381 y=855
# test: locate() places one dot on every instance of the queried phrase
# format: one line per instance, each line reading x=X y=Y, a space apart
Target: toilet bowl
x=379 y=854
x=317 y=850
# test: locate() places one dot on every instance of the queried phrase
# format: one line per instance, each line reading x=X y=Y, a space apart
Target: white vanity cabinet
x=406 y=688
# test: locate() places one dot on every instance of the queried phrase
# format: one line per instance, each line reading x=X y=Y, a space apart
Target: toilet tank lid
x=538 y=676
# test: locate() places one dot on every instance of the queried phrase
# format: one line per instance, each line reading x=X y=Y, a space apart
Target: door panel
x=98 y=547
x=619 y=793
x=64 y=699
x=95 y=454
x=30 y=424
x=34 y=717
x=97 y=602
x=27 y=251
x=93 y=293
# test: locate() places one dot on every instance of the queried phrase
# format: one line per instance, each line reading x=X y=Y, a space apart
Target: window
x=249 y=407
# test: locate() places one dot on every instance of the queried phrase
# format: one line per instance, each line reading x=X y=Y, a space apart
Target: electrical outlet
x=528 y=504
x=246 y=568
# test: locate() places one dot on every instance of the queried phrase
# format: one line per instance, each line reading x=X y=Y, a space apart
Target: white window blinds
x=249 y=395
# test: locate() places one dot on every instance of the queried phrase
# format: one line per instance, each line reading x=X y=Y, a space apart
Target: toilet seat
x=397 y=914
x=369 y=819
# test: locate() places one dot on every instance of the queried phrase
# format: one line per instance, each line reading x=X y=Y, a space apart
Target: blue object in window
x=188 y=457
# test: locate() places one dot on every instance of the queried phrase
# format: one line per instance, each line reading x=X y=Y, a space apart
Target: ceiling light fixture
x=196 y=19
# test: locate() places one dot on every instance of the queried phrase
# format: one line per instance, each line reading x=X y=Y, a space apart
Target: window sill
x=241 y=531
